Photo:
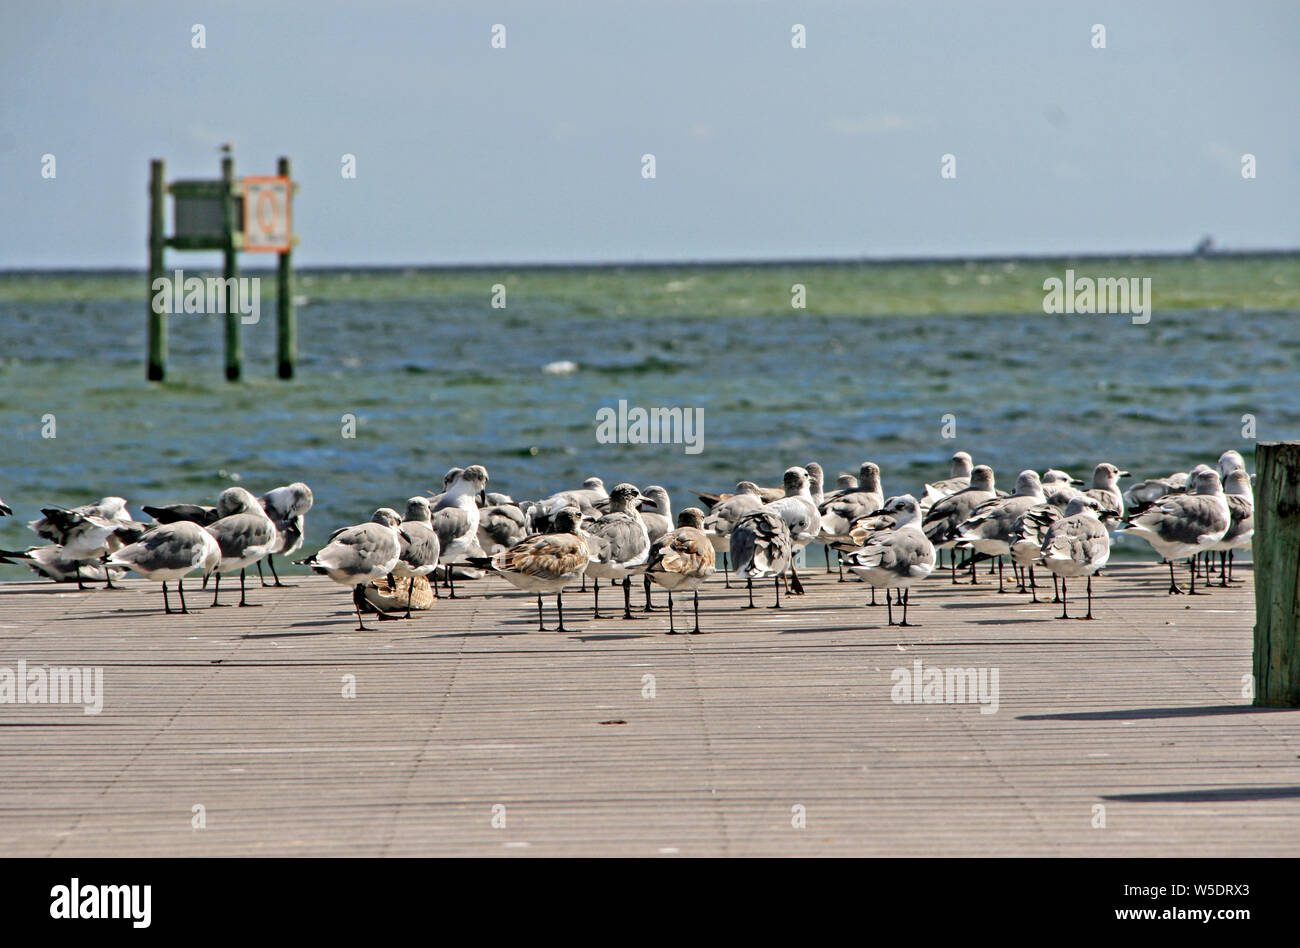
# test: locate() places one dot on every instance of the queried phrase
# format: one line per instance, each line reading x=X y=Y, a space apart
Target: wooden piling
x=156 y=357
x=234 y=349
x=286 y=332
x=1276 y=549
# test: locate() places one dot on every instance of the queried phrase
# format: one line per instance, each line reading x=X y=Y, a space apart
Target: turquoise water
x=440 y=382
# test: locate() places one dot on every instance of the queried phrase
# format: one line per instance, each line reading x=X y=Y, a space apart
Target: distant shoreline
x=721 y=263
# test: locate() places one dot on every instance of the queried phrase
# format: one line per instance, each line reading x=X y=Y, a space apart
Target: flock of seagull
x=588 y=533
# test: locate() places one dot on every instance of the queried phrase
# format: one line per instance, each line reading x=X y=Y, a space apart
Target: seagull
x=761 y=546
x=844 y=482
x=682 y=559
x=816 y=481
x=1230 y=461
x=1027 y=541
x=800 y=514
x=1241 y=510
x=657 y=513
x=959 y=478
x=629 y=543
x=501 y=526
x=51 y=562
x=245 y=534
x=768 y=494
x=1105 y=489
x=170 y=551
x=88 y=532
x=1142 y=495
x=544 y=562
x=5 y=509
x=187 y=513
x=456 y=517
x=991 y=528
x=1182 y=525
x=840 y=512
x=419 y=546
x=724 y=516
x=357 y=555
x=287 y=507
x=1077 y=545
x=899 y=557
x=948 y=513
x=588 y=499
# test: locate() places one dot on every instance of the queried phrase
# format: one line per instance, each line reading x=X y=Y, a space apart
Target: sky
x=533 y=153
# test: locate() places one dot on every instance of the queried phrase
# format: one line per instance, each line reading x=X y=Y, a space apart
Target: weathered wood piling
x=1276 y=550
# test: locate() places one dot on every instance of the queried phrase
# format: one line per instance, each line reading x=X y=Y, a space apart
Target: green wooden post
x=286 y=333
x=234 y=350
x=156 y=368
x=1276 y=552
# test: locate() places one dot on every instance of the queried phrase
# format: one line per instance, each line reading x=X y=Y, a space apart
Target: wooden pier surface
x=770 y=719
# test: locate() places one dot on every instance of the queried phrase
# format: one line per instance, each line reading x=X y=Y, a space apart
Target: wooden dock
x=772 y=718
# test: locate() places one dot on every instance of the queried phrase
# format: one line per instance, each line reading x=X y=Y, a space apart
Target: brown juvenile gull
x=682 y=559
x=544 y=562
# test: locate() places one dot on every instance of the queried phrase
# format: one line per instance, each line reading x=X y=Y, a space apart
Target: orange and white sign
x=268 y=213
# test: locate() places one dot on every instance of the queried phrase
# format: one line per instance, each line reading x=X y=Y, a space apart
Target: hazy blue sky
x=532 y=153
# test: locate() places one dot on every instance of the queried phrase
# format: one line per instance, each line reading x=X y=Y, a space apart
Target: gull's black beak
x=1125 y=474
x=1075 y=480
x=482 y=498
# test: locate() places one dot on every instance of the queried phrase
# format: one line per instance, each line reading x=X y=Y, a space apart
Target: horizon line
x=700 y=263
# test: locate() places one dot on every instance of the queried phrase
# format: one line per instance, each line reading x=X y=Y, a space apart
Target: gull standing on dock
x=682 y=559
x=357 y=555
x=625 y=532
x=1077 y=545
x=419 y=548
x=287 y=507
x=995 y=523
x=839 y=513
x=657 y=513
x=800 y=514
x=456 y=517
x=245 y=534
x=940 y=523
x=725 y=515
x=170 y=551
x=899 y=557
x=1180 y=526
x=1241 y=510
x=544 y=562
x=761 y=546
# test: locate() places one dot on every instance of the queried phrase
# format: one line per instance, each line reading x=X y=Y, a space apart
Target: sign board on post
x=268 y=221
